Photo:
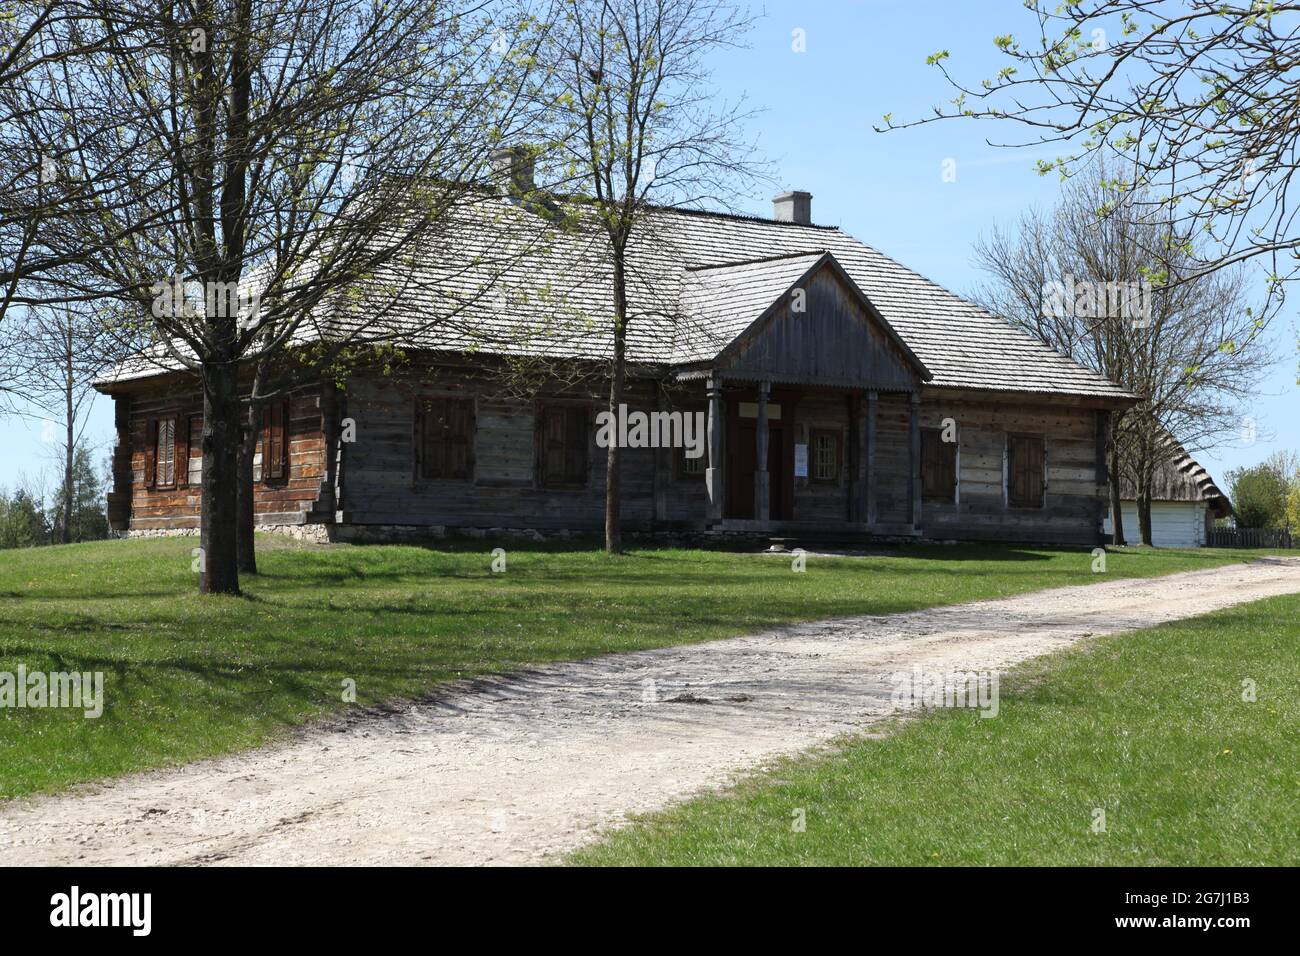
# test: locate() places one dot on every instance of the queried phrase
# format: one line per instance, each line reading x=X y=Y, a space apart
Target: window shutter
x=151 y=454
x=421 y=416
x=275 y=445
x=575 y=451
x=284 y=440
x=165 y=453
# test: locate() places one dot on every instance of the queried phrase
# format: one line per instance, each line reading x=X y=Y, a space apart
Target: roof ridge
x=759 y=260
x=739 y=216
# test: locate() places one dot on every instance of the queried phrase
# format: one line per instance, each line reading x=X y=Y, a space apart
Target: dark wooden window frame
x=681 y=462
x=929 y=478
x=1009 y=482
x=679 y=454
x=838 y=442
x=571 y=409
x=151 y=451
x=450 y=409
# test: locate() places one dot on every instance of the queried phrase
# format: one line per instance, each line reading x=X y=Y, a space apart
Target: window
x=691 y=467
x=825 y=456
x=563 y=435
x=938 y=467
x=275 y=442
x=194 y=472
x=1025 y=471
x=444 y=430
x=162 y=453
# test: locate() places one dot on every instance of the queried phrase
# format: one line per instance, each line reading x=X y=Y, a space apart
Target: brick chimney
x=512 y=168
x=794 y=206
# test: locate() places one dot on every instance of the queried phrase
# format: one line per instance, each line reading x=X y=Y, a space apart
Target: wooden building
x=843 y=395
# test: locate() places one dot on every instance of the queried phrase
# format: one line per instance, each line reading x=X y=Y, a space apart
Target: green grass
x=1150 y=727
x=188 y=676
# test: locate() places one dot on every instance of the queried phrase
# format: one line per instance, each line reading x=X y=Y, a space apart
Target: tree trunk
x=218 y=568
x=70 y=438
x=1144 y=502
x=246 y=548
x=1116 y=499
x=613 y=455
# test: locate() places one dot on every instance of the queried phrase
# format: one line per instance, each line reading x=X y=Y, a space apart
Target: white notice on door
x=800 y=460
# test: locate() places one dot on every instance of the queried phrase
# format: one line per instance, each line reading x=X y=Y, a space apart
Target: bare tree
x=637 y=126
x=53 y=354
x=278 y=159
x=1094 y=280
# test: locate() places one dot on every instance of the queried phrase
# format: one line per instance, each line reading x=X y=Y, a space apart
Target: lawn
x=1151 y=728
x=188 y=676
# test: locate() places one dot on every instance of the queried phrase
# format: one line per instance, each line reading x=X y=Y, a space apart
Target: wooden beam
x=714 y=477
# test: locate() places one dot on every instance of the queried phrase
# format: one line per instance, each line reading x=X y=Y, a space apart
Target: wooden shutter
x=165 y=452
x=938 y=466
x=575 y=446
x=435 y=443
x=275 y=441
x=1025 y=470
x=459 y=439
x=417 y=436
x=151 y=454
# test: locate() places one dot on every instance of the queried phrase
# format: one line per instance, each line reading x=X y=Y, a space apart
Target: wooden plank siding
x=379 y=482
x=276 y=501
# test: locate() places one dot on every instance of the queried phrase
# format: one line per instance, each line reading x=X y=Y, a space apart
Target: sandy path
x=516 y=769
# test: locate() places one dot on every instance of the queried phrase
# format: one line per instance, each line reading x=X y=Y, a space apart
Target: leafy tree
x=636 y=124
x=86 y=519
x=22 y=520
x=268 y=154
x=1259 y=495
x=1191 y=103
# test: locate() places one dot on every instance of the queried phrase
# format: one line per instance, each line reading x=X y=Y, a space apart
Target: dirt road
x=519 y=769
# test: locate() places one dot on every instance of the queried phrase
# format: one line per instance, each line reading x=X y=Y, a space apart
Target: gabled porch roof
x=793 y=319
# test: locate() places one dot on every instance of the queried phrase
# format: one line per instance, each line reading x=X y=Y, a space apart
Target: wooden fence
x=1249 y=538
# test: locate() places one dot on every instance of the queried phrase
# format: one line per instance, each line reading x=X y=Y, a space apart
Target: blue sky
x=865 y=58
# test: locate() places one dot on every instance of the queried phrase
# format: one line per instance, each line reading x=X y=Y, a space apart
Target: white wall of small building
x=1174 y=524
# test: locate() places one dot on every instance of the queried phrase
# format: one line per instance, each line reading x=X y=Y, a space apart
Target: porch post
x=663 y=464
x=914 y=429
x=871 y=458
x=762 y=480
x=713 y=476
x=858 y=490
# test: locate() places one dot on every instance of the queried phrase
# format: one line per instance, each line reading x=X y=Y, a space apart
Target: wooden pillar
x=762 y=480
x=914 y=444
x=871 y=458
x=713 y=474
x=663 y=464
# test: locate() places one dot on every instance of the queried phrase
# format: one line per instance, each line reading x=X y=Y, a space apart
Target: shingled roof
x=515 y=283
